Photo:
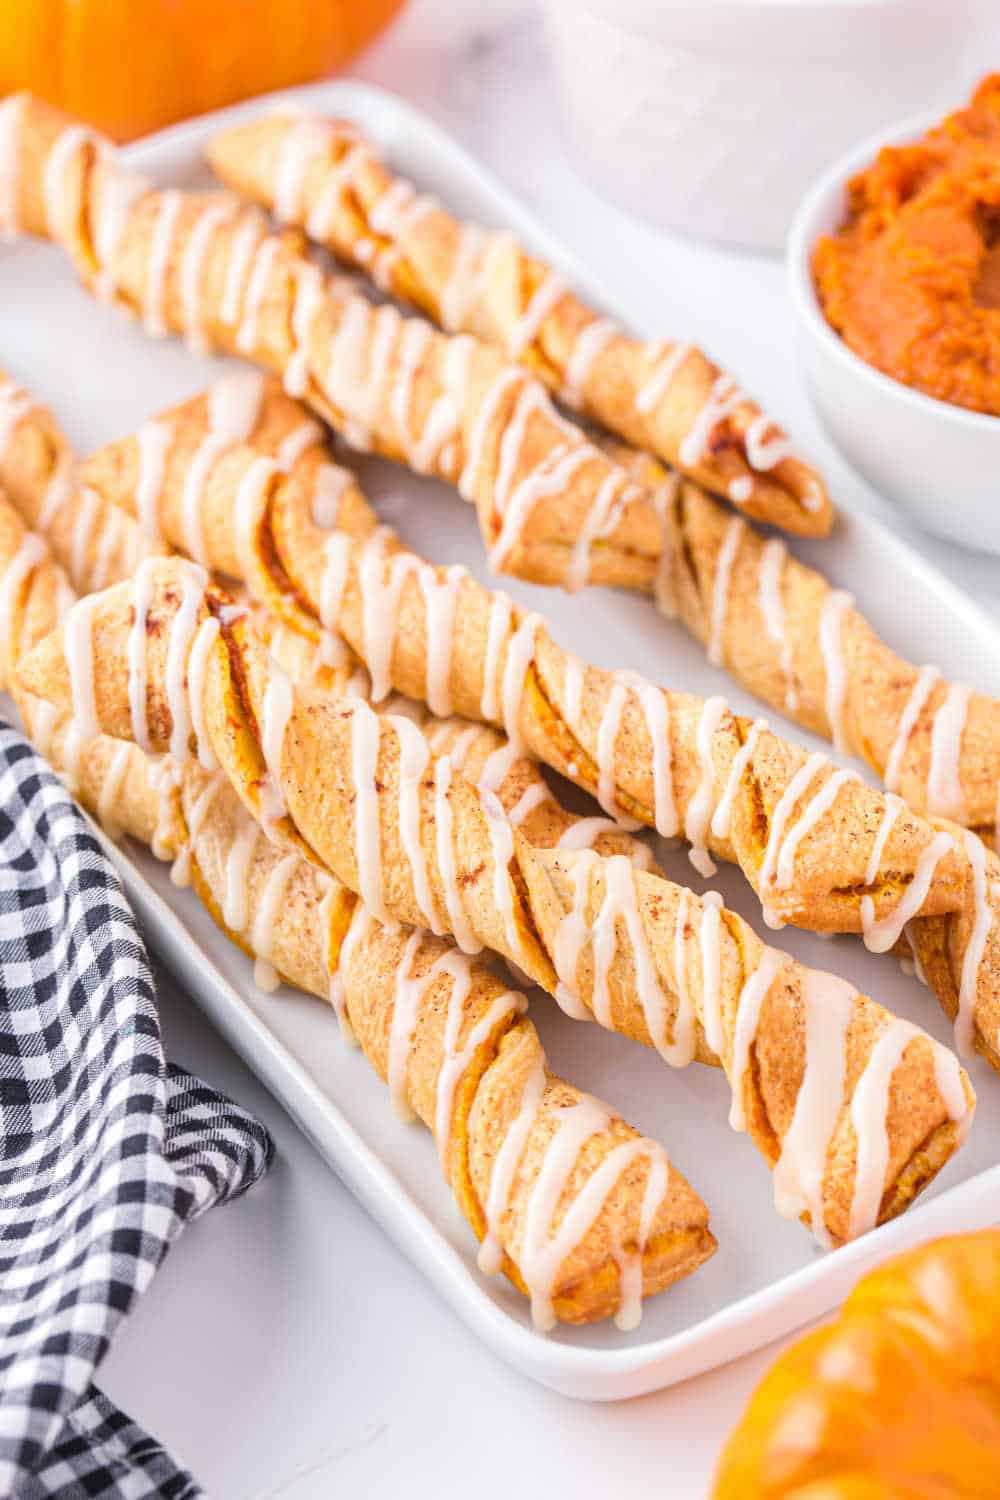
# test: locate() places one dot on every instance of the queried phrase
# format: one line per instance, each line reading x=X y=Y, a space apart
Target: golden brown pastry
x=323 y=177
x=854 y=1109
x=583 y=1214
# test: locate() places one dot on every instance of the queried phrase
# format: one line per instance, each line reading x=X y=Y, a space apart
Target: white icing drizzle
x=600 y=521
x=501 y=611
x=208 y=634
x=119 y=191
x=72 y=750
x=795 y=789
x=153 y=441
x=236 y=897
x=882 y=933
x=656 y=710
x=457 y=291
x=265 y=975
x=320 y=221
x=709 y=930
x=67 y=145
x=668 y=362
x=531 y=798
x=549 y=477
x=154 y=299
x=249 y=508
x=740 y=489
x=29 y=555
x=260 y=271
x=587 y=345
x=457 y=967
x=109 y=539
x=831 y=624
x=748 y=1009
x=414 y=758
x=544 y=1249
x=330 y=483
x=685 y=1022
x=301 y=143
x=458 y=923
x=407 y=991
x=620 y=904
x=109 y=798
x=869 y=1116
x=763 y=452
x=440 y=602
x=507 y=379
x=57 y=491
x=815 y=809
x=136 y=654
x=241 y=253
x=277 y=708
x=444 y=419
x=11 y=118
x=336 y=567
x=291 y=448
x=945 y=796
x=893 y=807
x=525 y=330
x=380 y=605
x=772 y=561
x=205 y=227
x=720 y=588
x=233 y=411
x=502 y=848
x=78 y=648
x=309 y=297
x=723 y=399
x=912 y=710
x=414 y=343
x=505 y=1165
x=975 y=948
x=182 y=630
x=798 y=1177
x=520 y=655
x=701 y=806
x=722 y=817
x=571 y=934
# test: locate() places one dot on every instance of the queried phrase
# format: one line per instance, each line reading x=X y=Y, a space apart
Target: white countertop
x=286 y=1348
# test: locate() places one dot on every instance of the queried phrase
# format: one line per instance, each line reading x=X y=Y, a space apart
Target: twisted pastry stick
x=854 y=1109
x=582 y=1213
x=551 y=506
x=323 y=177
x=806 y=836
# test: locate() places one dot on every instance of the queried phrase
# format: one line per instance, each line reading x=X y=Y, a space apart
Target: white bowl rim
x=800 y=244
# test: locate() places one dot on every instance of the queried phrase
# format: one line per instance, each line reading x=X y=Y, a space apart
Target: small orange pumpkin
x=130 y=66
x=897 y=1399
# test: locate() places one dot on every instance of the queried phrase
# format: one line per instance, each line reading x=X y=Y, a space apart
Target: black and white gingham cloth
x=105 y=1151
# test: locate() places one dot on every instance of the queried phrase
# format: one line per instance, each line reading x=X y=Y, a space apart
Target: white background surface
x=286 y=1348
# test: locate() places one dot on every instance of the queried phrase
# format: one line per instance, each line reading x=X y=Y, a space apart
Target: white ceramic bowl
x=938 y=462
x=713 y=116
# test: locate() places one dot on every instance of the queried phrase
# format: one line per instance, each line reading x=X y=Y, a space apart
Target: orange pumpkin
x=899 y=1397
x=129 y=66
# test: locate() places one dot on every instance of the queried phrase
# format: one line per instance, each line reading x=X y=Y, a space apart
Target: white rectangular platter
x=103 y=377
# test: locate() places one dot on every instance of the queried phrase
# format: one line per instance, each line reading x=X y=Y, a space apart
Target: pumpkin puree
x=911 y=280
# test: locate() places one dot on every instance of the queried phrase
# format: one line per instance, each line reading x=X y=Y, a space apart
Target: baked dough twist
x=853 y=1108
x=323 y=177
x=581 y=1212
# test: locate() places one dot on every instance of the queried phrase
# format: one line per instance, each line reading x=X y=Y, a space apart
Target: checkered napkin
x=105 y=1152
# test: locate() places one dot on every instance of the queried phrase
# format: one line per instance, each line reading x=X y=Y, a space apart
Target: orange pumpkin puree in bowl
x=911 y=280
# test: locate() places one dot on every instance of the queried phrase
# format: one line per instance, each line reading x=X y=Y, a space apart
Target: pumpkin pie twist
x=854 y=1109
x=551 y=505
x=582 y=1213
x=429 y=632
x=322 y=176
